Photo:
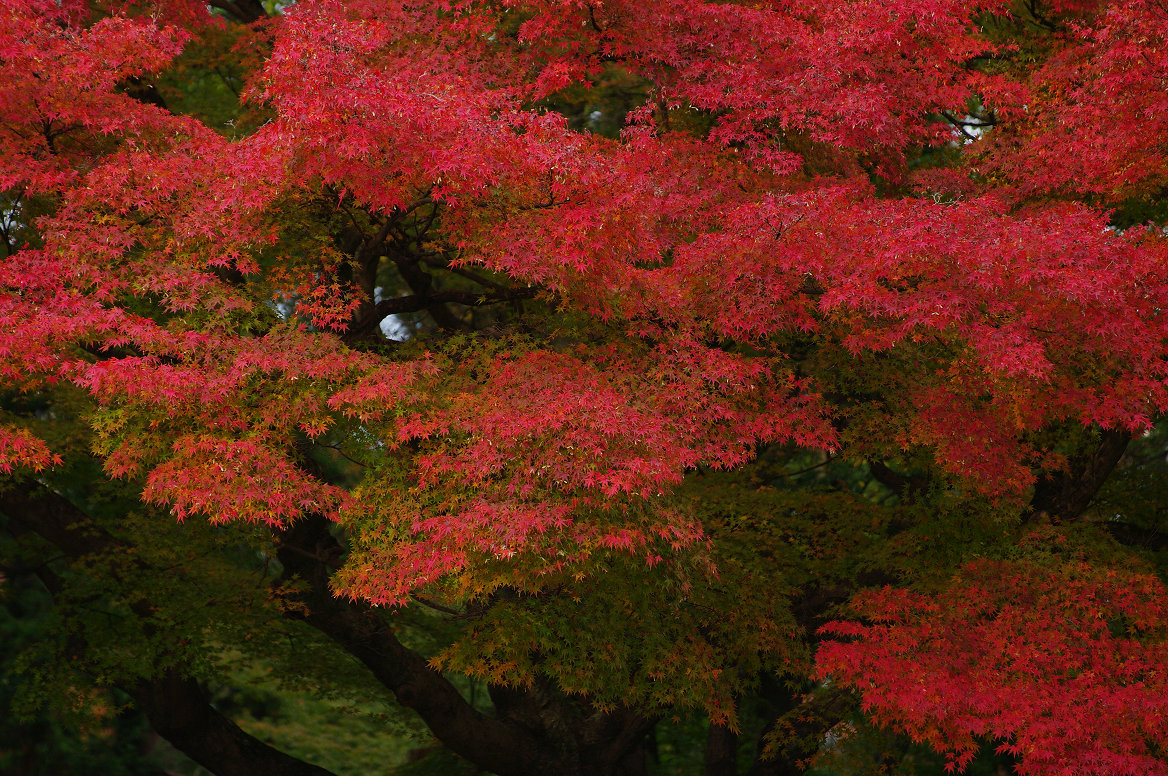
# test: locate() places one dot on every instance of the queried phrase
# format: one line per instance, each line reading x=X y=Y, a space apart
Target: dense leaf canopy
x=787 y=367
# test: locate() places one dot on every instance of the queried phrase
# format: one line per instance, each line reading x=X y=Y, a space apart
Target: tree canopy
x=589 y=387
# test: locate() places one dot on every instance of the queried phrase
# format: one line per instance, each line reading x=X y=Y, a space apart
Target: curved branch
x=900 y=484
x=243 y=11
x=415 y=302
x=179 y=712
x=432 y=302
x=797 y=735
x=175 y=705
x=1065 y=495
x=309 y=551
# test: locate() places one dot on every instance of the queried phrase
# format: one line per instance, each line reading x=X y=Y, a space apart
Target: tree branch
x=721 y=751
x=420 y=283
x=434 y=300
x=1135 y=536
x=1065 y=495
x=179 y=711
x=900 y=484
x=175 y=705
x=797 y=735
x=309 y=551
x=243 y=11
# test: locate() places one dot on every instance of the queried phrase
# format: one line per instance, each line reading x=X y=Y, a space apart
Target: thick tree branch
x=721 y=751
x=797 y=735
x=309 y=551
x=603 y=742
x=57 y=521
x=420 y=282
x=466 y=273
x=175 y=705
x=898 y=483
x=415 y=302
x=1065 y=495
x=625 y=732
x=178 y=710
x=243 y=11
x=144 y=91
x=431 y=301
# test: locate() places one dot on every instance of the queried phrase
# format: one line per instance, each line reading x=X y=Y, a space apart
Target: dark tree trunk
x=1065 y=495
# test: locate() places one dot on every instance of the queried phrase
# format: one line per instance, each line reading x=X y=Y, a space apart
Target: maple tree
x=631 y=360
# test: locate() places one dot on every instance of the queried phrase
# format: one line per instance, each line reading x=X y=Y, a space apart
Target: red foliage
x=1064 y=667
x=20 y=448
x=702 y=252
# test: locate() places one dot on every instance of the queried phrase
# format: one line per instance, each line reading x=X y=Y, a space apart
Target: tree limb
x=431 y=302
x=490 y=743
x=721 y=751
x=179 y=711
x=1065 y=495
x=797 y=735
x=243 y=11
x=900 y=484
x=175 y=705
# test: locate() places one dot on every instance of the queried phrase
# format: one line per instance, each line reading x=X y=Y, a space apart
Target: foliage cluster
x=579 y=387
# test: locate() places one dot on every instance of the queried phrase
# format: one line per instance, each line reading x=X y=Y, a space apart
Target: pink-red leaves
x=726 y=246
x=237 y=479
x=1066 y=667
x=19 y=448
